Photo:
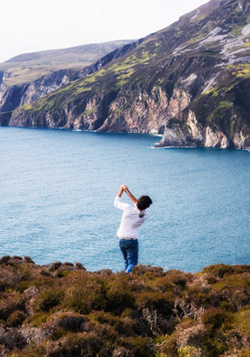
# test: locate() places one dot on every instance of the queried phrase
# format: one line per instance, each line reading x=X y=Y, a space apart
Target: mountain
x=13 y=94
x=28 y=67
x=189 y=82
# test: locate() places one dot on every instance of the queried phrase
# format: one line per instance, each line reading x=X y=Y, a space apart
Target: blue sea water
x=58 y=187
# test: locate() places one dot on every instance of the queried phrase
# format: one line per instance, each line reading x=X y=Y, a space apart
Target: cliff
x=28 y=67
x=61 y=309
x=188 y=82
x=16 y=91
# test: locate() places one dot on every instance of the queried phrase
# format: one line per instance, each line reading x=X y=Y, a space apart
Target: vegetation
x=64 y=310
x=200 y=67
x=30 y=66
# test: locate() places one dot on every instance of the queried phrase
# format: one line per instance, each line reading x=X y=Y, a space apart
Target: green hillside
x=30 y=66
x=189 y=82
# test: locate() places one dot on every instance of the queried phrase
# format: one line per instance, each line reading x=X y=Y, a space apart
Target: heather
x=60 y=309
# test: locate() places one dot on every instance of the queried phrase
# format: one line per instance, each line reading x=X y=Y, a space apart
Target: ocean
x=58 y=187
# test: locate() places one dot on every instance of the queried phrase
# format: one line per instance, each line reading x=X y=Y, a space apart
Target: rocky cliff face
x=189 y=82
x=11 y=97
x=17 y=95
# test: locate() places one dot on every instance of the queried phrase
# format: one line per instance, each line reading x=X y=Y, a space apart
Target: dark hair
x=144 y=202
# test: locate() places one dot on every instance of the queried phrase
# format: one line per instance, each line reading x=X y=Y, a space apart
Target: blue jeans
x=129 y=250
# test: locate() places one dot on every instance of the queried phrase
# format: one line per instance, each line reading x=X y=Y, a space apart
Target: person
x=132 y=219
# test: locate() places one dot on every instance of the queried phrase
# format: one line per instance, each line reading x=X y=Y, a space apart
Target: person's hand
x=124 y=187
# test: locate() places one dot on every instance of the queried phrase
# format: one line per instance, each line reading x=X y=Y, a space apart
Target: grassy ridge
x=30 y=66
x=62 y=309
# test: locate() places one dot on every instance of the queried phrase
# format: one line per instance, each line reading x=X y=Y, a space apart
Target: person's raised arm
x=130 y=195
x=117 y=202
x=121 y=191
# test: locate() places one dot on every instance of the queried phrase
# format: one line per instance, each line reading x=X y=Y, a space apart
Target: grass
x=224 y=104
x=28 y=67
x=123 y=78
x=131 y=61
x=195 y=39
x=243 y=321
x=241 y=71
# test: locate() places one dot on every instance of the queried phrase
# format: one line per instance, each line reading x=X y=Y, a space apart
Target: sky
x=29 y=26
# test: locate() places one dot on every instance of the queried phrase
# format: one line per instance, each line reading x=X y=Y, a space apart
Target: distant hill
x=30 y=66
x=189 y=82
x=18 y=94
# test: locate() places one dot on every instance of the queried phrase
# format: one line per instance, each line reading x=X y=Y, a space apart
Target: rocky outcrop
x=18 y=95
x=5 y=118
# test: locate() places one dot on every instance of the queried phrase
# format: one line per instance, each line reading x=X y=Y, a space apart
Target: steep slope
x=28 y=67
x=13 y=96
x=189 y=82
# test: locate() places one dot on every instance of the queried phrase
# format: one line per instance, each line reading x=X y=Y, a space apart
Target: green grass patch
x=195 y=39
x=236 y=30
x=132 y=61
x=242 y=71
x=243 y=321
x=89 y=111
x=123 y=78
x=214 y=92
x=224 y=104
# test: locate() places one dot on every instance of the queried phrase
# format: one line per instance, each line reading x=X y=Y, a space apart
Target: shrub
x=119 y=326
x=85 y=344
x=3 y=285
x=201 y=298
x=87 y=295
x=49 y=299
x=242 y=321
x=119 y=298
x=71 y=322
x=157 y=311
x=189 y=351
x=4 y=259
x=213 y=318
x=10 y=303
x=11 y=339
x=38 y=318
x=55 y=266
x=178 y=277
x=162 y=302
x=140 y=346
x=148 y=270
x=220 y=270
x=167 y=345
x=16 y=318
